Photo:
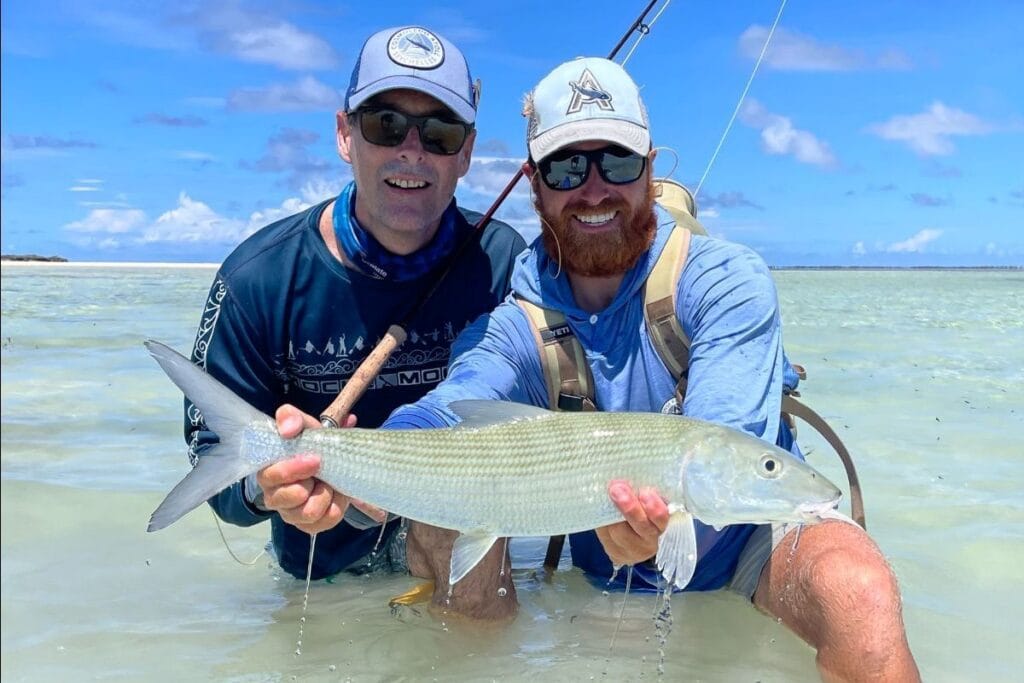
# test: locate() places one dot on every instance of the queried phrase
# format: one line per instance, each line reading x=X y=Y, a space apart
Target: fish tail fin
x=225 y=414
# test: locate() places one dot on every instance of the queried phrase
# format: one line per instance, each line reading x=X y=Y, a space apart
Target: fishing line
x=644 y=30
x=236 y=558
x=739 y=104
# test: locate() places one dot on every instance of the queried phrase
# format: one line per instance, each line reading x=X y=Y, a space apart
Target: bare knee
x=835 y=590
x=852 y=584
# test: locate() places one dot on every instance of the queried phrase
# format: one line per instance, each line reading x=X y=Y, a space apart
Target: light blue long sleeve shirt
x=727 y=305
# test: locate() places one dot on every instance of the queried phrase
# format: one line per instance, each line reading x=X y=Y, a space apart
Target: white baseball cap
x=589 y=98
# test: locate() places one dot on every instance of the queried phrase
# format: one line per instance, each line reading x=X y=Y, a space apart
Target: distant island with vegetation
x=32 y=257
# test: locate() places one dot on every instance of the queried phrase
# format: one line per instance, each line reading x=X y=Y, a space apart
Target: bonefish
x=513 y=470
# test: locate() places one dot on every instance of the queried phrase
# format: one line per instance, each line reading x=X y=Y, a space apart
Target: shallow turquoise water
x=921 y=372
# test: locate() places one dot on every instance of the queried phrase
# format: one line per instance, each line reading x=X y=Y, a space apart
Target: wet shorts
x=755 y=556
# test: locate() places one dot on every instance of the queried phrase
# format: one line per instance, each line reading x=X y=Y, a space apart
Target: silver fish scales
x=514 y=470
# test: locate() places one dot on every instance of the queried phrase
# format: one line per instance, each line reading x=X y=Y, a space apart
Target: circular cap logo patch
x=417 y=48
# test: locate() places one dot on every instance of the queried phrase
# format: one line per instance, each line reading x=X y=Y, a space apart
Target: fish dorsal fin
x=468 y=550
x=677 y=549
x=477 y=413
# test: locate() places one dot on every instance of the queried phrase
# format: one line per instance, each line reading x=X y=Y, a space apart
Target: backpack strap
x=663 y=326
x=562 y=359
x=571 y=386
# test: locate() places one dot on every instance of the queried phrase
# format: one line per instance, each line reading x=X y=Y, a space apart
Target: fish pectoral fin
x=467 y=552
x=677 y=549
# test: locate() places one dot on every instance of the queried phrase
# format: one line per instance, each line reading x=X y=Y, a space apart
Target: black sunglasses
x=389 y=127
x=568 y=169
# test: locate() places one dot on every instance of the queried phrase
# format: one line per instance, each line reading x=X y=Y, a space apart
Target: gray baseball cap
x=413 y=57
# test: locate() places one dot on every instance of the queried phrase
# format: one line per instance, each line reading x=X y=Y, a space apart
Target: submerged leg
x=485 y=593
x=835 y=590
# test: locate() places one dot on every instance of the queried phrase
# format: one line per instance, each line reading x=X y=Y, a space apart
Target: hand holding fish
x=291 y=489
x=646 y=515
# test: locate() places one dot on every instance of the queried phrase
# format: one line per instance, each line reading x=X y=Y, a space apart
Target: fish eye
x=769 y=466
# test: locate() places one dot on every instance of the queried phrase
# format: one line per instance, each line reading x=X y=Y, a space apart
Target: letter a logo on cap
x=587 y=91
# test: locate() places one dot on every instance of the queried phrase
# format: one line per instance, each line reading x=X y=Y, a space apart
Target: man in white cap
x=590 y=171
x=296 y=308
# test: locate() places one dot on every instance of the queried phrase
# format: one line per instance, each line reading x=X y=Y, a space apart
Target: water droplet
x=502 y=592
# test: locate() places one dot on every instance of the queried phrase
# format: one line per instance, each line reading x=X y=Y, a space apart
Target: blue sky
x=875 y=133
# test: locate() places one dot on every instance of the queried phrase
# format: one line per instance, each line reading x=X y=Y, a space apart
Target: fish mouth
x=813 y=512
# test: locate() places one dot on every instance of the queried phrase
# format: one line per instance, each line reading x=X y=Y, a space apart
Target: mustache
x=420 y=171
x=605 y=205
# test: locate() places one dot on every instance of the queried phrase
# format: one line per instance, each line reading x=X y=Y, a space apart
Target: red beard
x=603 y=254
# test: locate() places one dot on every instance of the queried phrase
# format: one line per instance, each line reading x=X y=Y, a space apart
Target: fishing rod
x=334 y=415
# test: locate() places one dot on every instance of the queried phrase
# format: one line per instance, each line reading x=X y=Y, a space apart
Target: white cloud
x=313 y=192
x=490 y=175
x=929 y=132
x=259 y=219
x=780 y=137
x=86 y=185
x=793 y=51
x=281 y=44
x=113 y=221
x=859 y=249
x=194 y=221
x=193 y=155
x=191 y=221
x=318 y=189
x=227 y=27
x=305 y=94
x=916 y=243
x=118 y=204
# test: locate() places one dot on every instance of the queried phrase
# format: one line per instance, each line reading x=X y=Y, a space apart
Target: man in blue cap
x=296 y=308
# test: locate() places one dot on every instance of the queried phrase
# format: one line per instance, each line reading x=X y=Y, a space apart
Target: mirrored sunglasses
x=568 y=169
x=389 y=127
